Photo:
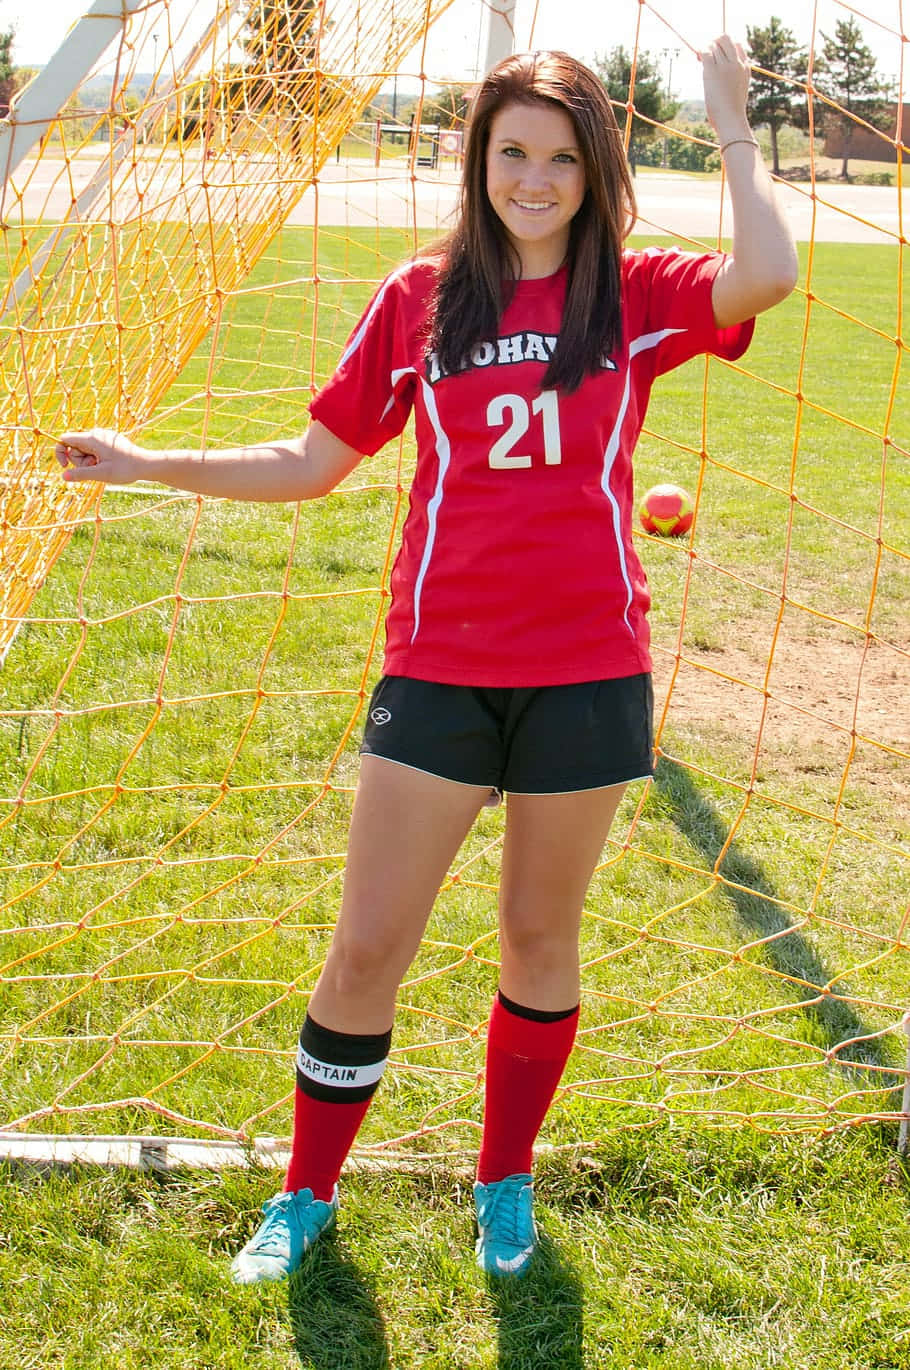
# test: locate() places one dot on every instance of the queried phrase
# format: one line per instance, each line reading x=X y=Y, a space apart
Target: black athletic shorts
x=548 y=739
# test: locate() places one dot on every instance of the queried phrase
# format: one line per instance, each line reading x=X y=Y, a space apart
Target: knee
x=537 y=941
x=359 y=962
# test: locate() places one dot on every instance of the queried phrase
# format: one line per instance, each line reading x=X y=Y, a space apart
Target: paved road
x=355 y=194
x=668 y=204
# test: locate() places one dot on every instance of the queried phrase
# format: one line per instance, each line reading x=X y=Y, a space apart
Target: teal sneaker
x=506 y=1235
x=293 y=1222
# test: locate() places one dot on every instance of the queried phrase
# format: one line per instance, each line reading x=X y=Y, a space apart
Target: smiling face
x=535 y=182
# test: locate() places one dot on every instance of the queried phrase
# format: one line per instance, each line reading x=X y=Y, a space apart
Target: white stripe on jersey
x=395 y=377
x=358 y=337
x=642 y=344
x=444 y=456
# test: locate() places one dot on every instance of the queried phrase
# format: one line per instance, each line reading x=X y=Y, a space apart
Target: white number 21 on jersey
x=502 y=454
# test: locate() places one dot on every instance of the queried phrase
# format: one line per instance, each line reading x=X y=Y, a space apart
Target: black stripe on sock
x=344 y=1048
x=341 y=1049
x=535 y=1015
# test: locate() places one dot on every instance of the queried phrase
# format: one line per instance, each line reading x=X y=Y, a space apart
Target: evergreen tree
x=649 y=98
x=850 y=77
x=772 y=100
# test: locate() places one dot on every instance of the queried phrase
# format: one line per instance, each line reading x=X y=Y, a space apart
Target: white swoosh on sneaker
x=510 y=1266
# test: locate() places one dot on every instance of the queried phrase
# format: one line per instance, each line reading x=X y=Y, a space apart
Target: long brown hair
x=480 y=263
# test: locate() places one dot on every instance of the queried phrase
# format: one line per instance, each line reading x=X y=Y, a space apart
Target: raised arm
x=763 y=268
x=271 y=472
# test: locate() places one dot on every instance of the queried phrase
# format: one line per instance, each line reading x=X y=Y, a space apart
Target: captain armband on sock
x=340 y=1067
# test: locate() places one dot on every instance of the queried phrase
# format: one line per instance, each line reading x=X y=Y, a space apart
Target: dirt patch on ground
x=825 y=703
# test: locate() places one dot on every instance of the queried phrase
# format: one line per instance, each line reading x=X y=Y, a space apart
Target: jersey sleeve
x=368 y=399
x=678 y=286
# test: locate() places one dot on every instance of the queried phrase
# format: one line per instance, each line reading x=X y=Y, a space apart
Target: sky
x=671 y=30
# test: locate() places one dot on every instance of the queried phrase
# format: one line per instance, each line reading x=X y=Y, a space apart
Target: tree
x=652 y=103
x=277 y=74
x=449 y=106
x=850 y=77
x=280 y=41
x=7 y=72
x=280 y=35
x=686 y=154
x=772 y=100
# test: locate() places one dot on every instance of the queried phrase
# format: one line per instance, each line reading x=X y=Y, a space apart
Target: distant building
x=867 y=146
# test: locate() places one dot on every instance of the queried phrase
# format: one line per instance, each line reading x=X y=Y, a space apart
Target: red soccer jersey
x=516 y=564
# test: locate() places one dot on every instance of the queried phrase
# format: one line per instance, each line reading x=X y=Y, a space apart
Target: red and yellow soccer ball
x=666 y=510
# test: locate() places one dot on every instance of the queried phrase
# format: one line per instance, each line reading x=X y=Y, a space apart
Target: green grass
x=170 y=881
x=661 y=1251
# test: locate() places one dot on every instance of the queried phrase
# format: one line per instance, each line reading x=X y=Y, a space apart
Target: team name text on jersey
x=508 y=351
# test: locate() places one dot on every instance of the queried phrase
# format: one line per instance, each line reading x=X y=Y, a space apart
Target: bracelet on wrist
x=751 y=141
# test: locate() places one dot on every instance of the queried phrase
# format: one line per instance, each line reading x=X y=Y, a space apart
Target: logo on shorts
x=380 y=716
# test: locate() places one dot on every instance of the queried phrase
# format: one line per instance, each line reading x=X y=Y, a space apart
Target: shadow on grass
x=336 y=1322
x=540 y=1317
x=792 y=955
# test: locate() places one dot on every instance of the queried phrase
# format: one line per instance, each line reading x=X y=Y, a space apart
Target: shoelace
x=506 y=1207
x=272 y=1241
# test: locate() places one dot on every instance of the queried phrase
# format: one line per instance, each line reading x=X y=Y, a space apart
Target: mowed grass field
x=184 y=706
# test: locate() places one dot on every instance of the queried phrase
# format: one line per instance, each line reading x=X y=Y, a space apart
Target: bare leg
x=406 y=829
x=552 y=845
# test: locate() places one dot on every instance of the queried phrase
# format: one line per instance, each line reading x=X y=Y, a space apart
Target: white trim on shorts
x=468 y=784
x=525 y=794
x=585 y=789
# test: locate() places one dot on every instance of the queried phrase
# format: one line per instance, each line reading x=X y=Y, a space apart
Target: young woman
x=517 y=641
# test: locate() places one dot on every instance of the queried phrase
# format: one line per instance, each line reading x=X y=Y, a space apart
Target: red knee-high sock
x=337 y=1074
x=323 y=1135
x=525 y=1060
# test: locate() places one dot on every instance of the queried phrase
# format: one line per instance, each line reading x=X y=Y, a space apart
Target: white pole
x=500 y=31
x=44 y=97
x=75 y=58
x=903 y=1137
